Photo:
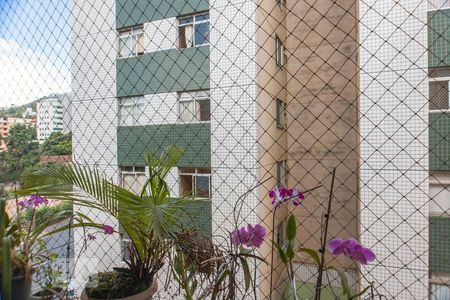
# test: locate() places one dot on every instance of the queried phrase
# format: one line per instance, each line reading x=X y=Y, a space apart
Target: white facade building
x=231 y=82
x=53 y=115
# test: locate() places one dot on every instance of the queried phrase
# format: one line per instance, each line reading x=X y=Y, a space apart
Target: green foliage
x=149 y=218
x=185 y=274
x=291 y=228
x=43 y=213
x=58 y=143
x=23 y=152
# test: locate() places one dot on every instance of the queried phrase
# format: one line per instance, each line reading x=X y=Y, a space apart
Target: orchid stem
x=324 y=240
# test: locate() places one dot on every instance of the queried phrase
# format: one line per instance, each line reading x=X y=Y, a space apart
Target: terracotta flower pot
x=144 y=295
x=21 y=288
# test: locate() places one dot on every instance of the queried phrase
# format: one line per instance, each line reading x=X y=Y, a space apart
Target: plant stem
x=294 y=284
x=324 y=240
x=273 y=235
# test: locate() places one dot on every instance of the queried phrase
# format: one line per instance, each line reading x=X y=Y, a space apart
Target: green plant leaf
x=312 y=253
x=3 y=218
x=247 y=275
x=290 y=253
x=344 y=281
x=291 y=228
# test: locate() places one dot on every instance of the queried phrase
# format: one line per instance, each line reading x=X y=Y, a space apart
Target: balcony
x=172 y=70
x=134 y=141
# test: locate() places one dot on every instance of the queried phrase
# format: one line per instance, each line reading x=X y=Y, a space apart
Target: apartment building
x=263 y=91
x=439 y=118
x=5 y=125
x=53 y=115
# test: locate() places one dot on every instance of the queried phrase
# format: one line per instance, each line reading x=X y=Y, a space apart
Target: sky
x=34 y=49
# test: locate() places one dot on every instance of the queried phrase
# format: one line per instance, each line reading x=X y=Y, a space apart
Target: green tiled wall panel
x=171 y=70
x=194 y=139
x=439 y=141
x=439 y=38
x=133 y=12
x=198 y=216
x=439 y=244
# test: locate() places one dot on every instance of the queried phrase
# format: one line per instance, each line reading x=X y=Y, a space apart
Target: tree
x=58 y=143
x=22 y=153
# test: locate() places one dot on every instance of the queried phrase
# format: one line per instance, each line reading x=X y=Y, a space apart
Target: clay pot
x=144 y=295
x=21 y=288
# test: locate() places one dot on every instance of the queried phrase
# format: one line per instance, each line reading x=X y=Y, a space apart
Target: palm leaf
x=145 y=217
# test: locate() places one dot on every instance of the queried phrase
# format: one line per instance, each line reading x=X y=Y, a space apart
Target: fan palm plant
x=149 y=218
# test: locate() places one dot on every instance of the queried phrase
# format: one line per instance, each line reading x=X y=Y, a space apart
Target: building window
x=280 y=114
x=194 y=106
x=439 y=94
x=438 y=4
x=130 y=110
x=281 y=173
x=195 y=182
x=281 y=3
x=279 y=52
x=193 y=31
x=131 y=42
x=280 y=233
x=133 y=179
x=440 y=292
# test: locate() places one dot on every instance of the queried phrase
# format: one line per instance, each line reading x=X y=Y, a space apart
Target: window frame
x=280 y=114
x=279 y=52
x=280 y=233
x=281 y=3
x=137 y=104
x=193 y=175
x=282 y=178
x=440 y=79
x=125 y=240
x=134 y=33
x=195 y=97
x=193 y=23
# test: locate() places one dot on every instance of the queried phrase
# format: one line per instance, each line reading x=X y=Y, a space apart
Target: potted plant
x=14 y=280
x=24 y=236
x=150 y=219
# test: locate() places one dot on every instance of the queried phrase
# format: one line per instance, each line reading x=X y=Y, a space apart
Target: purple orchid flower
x=250 y=236
x=33 y=201
x=107 y=229
x=91 y=237
x=351 y=248
x=279 y=194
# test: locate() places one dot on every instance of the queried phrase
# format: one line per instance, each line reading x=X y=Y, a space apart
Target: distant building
x=53 y=115
x=29 y=113
x=5 y=125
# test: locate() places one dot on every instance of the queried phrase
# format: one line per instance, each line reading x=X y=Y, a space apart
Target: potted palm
x=149 y=219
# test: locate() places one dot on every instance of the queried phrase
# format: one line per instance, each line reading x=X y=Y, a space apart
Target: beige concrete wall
x=322 y=95
x=271 y=82
x=319 y=84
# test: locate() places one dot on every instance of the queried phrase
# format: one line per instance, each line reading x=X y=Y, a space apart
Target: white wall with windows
x=170 y=33
x=394 y=180
x=165 y=108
